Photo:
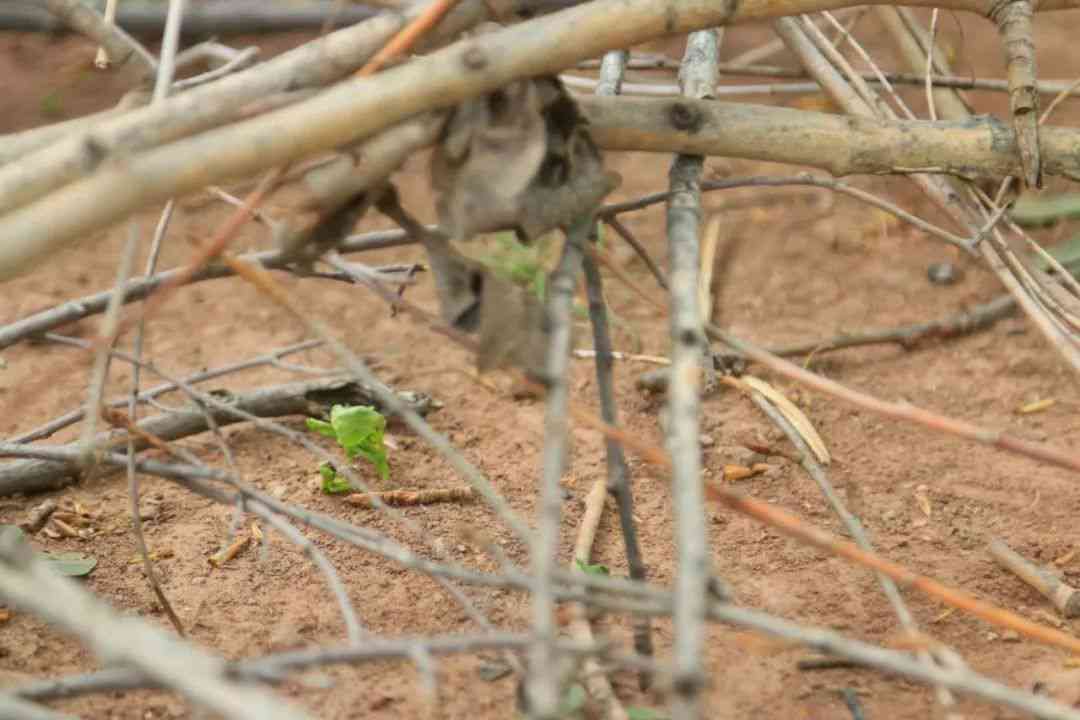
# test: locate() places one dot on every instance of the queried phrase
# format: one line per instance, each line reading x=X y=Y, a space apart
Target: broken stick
x=1064 y=597
x=398 y=498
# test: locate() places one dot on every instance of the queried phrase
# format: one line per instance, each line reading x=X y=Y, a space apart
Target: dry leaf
x=1037 y=406
x=709 y=241
x=923 y=501
x=63 y=528
x=943 y=616
x=733 y=473
x=1067 y=557
x=794 y=415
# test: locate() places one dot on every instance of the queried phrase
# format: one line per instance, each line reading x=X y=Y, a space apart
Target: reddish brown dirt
x=804 y=269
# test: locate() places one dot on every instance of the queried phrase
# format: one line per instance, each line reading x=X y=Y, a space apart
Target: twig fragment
x=230 y=551
x=1064 y=597
x=405 y=498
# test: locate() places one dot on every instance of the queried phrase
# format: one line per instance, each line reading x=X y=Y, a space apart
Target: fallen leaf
x=793 y=414
x=923 y=501
x=71 y=564
x=943 y=616
x=1067 y=557
x=1037 y=406
x=733 y=473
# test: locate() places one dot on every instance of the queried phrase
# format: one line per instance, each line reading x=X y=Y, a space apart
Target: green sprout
x=360 y=431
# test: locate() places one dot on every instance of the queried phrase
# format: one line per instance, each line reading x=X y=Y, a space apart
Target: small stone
x=1010 y=636
x=944 y=273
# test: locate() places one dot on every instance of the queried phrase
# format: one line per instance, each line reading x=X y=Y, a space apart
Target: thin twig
x=162 y=85
x=618 y=471
x=596 y=679
x=118 y=46
x=140 y=288
x=272 y=358
x=542 y=684
x=105 y=341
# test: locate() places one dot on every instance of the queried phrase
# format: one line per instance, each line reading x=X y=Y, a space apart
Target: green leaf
x=332 y=484
x=72 y=564
x=588 y=569
x=360 y=430
x=573 y=701
x=1033 y=210
x=357 y=427
x=323 y=428
x=644 y=713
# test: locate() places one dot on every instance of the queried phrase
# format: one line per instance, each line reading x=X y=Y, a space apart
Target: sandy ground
x=807 y=268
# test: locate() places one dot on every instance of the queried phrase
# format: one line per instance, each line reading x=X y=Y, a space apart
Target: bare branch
x=543 y=691
x=272 y=358
x=689 y=350
x=140 y=288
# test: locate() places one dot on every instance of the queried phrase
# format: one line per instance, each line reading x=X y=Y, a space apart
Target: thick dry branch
x=981 y=147
x=31 y=584
x=310 y=398
x=217 y=19
x=349 y=112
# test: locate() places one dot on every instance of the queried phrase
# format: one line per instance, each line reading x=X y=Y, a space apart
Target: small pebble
x=944 y=273
x=1010 y=636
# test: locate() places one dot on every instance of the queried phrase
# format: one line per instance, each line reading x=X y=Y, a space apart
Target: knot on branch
x=685 y=117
